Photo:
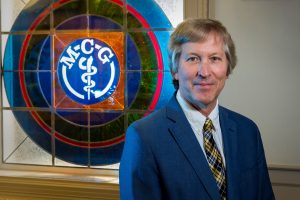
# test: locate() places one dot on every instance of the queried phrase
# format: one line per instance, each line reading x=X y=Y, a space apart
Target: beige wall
x=265 y=84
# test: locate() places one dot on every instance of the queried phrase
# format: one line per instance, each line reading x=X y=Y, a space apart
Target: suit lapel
x=187 y=142
x=229 y=133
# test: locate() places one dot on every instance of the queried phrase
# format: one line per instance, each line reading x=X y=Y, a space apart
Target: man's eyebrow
x=193 y=53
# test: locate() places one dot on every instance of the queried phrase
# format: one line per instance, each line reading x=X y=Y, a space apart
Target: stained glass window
x=77 y=73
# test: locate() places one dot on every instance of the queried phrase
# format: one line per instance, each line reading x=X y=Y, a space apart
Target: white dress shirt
x=197 y=119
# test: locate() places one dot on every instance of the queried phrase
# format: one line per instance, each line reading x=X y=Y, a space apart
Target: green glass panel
x=146 y=91
x=69 y=10
x=132 y=22
x=106 y=9
x=45 y=24
x=45 y=116
x=71 y=130
x=132 y=117
x=108 y=131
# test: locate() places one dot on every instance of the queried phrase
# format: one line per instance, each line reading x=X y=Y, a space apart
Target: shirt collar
x=191 y=111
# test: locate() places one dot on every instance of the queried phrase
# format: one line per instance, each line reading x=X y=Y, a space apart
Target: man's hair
x=197 y=30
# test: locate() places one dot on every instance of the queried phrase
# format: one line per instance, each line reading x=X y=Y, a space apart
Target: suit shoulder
x=151 y=121
x=237 y=117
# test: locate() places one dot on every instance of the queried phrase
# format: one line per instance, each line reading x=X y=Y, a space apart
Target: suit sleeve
x=138 y=173
x=265 y=188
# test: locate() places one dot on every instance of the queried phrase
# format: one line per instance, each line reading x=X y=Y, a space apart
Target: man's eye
x=193 y=59
x=215 y=58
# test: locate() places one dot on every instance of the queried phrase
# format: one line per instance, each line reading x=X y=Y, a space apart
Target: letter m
x=72 y=56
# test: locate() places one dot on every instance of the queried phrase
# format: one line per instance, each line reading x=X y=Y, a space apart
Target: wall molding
x=285 y=177
x=285 y=182
x=17 y=185
x=284 y=167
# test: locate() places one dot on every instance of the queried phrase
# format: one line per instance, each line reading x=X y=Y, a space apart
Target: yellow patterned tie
x=214 y=157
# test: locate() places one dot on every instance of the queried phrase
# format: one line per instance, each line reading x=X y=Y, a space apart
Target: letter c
x=83 y=46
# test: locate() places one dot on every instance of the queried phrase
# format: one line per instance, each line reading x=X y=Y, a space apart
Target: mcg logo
x=88 y=71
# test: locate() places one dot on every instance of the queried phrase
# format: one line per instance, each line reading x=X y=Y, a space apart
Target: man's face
x=202 y=71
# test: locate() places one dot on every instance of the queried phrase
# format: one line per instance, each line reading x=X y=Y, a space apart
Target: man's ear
x=175 y=75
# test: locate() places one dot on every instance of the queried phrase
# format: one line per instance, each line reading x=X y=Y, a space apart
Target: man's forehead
x=209 y=45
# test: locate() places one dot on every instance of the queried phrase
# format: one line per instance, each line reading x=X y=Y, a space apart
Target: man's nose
x=204 y=68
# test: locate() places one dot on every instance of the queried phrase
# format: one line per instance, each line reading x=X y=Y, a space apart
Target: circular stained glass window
x=83 y=71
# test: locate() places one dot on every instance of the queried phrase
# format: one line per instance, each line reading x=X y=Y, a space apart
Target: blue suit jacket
x=162 y=159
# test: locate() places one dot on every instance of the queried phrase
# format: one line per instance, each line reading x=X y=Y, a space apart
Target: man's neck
x=202 y=108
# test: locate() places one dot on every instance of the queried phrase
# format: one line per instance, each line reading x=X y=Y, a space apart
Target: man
x=193 y=148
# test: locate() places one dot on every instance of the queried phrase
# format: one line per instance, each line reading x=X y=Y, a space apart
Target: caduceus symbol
x=87 y=76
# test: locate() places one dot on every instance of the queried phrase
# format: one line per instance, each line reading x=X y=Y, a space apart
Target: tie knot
x=208 y=125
